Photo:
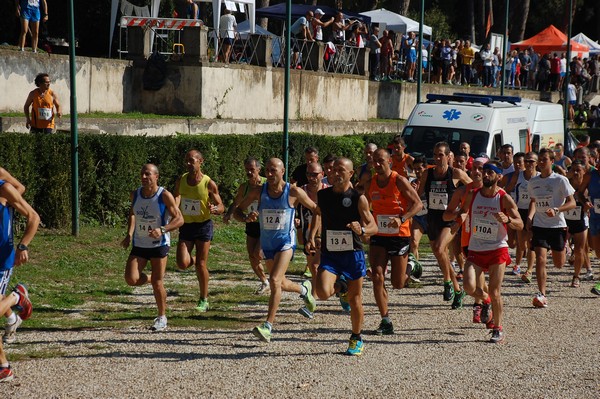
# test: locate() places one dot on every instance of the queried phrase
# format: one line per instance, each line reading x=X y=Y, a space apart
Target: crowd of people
x=472 y=208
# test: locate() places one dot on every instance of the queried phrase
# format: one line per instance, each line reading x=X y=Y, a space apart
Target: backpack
x=155 y=72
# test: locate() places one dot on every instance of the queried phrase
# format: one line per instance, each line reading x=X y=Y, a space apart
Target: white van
x=547 y=125
x=485 y=122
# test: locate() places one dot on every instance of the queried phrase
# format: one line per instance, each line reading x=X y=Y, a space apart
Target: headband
x=481 y=160
x=493 y=167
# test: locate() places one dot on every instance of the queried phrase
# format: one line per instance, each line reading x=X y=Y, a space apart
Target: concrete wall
x=102 y=85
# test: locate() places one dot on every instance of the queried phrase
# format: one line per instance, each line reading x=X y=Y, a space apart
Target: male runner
x=197 y=196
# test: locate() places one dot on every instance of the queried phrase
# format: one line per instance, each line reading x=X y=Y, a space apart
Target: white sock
x=18 y=296
x=303 y=290
x=12 y=319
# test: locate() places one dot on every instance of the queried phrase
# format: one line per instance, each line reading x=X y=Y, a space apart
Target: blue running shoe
x=344 y=302
x=355 y=347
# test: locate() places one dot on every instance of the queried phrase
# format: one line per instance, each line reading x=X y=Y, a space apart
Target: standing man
x=490 y=212
x=227 y=27
x=197 y=196
x=550 y=196
x=468 y=54
x=11 y=200
x=43 y=103
x=375 y=46
x=255 y=180
x=152 y=216
x=277 y=201
x=394 y=202
x=343 y=216
x=438 y=184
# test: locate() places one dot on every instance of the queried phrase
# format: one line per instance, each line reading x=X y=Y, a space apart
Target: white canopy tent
x=583 y=39
x=156 y=5
x=396 y=22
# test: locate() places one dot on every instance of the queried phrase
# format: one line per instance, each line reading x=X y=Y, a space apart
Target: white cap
x=319 y=11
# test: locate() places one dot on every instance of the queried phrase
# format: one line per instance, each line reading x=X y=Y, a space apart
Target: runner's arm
x=7 y=177
x=411 y=195
x=511 y=216
x=238 y=198
x=454 y=206
x=130 y=224
x=216 y=206
x=253 y=195
x=16 y=201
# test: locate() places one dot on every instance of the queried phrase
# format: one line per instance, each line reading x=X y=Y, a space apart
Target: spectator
x=544 y=73
x=488 y=60
x=411 y=58
x=525 y=66
x=446 y=52
x=227 y=27
x=554 y=72
x=497 y=63
x=563 y=70
x=467 y=54
x=300 y=31
x=192 y=10
x=339 y=27
x=42 y=101
x=375 y=46
x=533 y=69
x=318 y=25
x=572 y=98
x=29 y=13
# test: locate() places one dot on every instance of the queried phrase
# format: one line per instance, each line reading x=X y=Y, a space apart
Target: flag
x=489 y=20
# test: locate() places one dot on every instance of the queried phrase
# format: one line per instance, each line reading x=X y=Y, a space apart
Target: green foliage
x=109 y=166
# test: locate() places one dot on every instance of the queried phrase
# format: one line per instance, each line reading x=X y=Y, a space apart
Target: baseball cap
x=319 y=11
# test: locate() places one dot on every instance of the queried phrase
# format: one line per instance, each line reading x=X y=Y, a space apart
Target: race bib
x=144 y=226
x=543 y=203
x=485 y=229
x=190 y=207
x=273 y=219
x=253 y=207
x=383 y=225
x=423 y=211
x=438 y=201
x=45 y=114
x=523 y=199
x=597 y=206
x=573 y=214
x=33 y=3
x=339 y=240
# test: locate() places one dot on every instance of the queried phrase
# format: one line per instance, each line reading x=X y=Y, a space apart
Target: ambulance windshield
x=422 y=139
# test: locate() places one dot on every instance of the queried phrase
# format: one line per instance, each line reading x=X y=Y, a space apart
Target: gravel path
x=436 y=352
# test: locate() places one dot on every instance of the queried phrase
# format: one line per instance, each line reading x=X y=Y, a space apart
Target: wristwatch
x=362 y=231
x=22 y=247
x=163 y=230
x=556 y=211
x=402 y=220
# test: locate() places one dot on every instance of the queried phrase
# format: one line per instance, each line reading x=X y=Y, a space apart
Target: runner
x=276 y=207
x=365 y=171
x=577 y=222
x=394 y=202
x=152 y=216
x=550 y=195
x=591 y=185
x=41 y=106
x=439 y=184
x=343 y=216
x=197 y=196
x=11 y=200
x=401 y=162
x=252 y=167
x=418 y=226
x=518 y=165
x=490 y=212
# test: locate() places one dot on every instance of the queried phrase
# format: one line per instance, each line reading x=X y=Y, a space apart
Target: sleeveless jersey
x=194 y=200
x=150 y=213
x=305 y=214
x=465 y=232
x=522 y=194
x=576 y=214
x=337 y=211
x=388 y=202
x=276 y=218
x=487 y=233
x=7 y=247
x=43 y=111
x=594 y=192
x=253 y=207
x=561 y=162
x=400 y=166
x=438 y=191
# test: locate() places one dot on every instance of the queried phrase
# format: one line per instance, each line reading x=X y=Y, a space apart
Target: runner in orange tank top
x=401 y=162
x=42 y=102
x=394 y=202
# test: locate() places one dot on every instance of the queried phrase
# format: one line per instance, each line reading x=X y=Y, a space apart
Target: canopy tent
x=551 y=40
x=156 y=5
x=278 y=11
x=583 y=39
x=396 y=22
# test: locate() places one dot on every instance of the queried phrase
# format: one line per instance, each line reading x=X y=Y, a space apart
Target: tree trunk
x=520 y=19
x=264 y=21
x=480 y=21
x=471 y=16
x=405 y=6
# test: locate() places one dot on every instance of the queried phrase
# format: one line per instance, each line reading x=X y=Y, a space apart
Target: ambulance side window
x=535 y=144
x=497 y=144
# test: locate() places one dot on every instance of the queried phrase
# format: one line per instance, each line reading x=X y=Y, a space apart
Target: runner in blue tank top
x=591 y=185
x=276 y=206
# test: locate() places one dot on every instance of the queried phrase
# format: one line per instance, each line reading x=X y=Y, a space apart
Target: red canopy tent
x=551 y=40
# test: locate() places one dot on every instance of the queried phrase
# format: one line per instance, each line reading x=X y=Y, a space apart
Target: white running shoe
x=589 y=275
x=10 y=332
x=263 y=288
x=160 y=324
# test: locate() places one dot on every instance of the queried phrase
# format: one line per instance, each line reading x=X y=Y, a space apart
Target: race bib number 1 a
x=273 y=219
x=339 y=241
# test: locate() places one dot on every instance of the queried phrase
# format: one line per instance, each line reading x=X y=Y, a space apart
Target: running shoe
x=459 y=275
x=160 y=324
x=589 y=275
x=356 y=347
x=10 y=332
x=203 y=305
x=458 y=299
x=497 y=336
x=344 y=302
x=24 y=305
x=306 y=313
x=448 y=291
x=486 y=313
x=477 y=313
x=526 y=277
x=385 y=328
x=262 y=332
x=540 y=301
x=309 y=300
x=6 y=374
x=575 y=282
x=596 y=289
x=516 y=270
x=263 y=288
x=307 y=273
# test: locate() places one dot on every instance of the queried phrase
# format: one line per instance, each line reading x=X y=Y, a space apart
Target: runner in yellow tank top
x=198 y=198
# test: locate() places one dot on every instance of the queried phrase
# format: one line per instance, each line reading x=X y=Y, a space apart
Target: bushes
x=109 y=165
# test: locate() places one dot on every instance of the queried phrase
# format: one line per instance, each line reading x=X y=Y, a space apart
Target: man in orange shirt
x=43 y=102
x=401 y=162
x=394 y=202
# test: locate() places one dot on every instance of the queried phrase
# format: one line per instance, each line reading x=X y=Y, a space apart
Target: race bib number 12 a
x=273 y=219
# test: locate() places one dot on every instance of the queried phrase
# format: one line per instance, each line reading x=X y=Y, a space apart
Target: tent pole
x=286 y=89
x=504 y=48
x=420 y=52
x=567 y=78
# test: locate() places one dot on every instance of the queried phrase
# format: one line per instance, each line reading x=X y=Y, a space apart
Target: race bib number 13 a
x=339 y=241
